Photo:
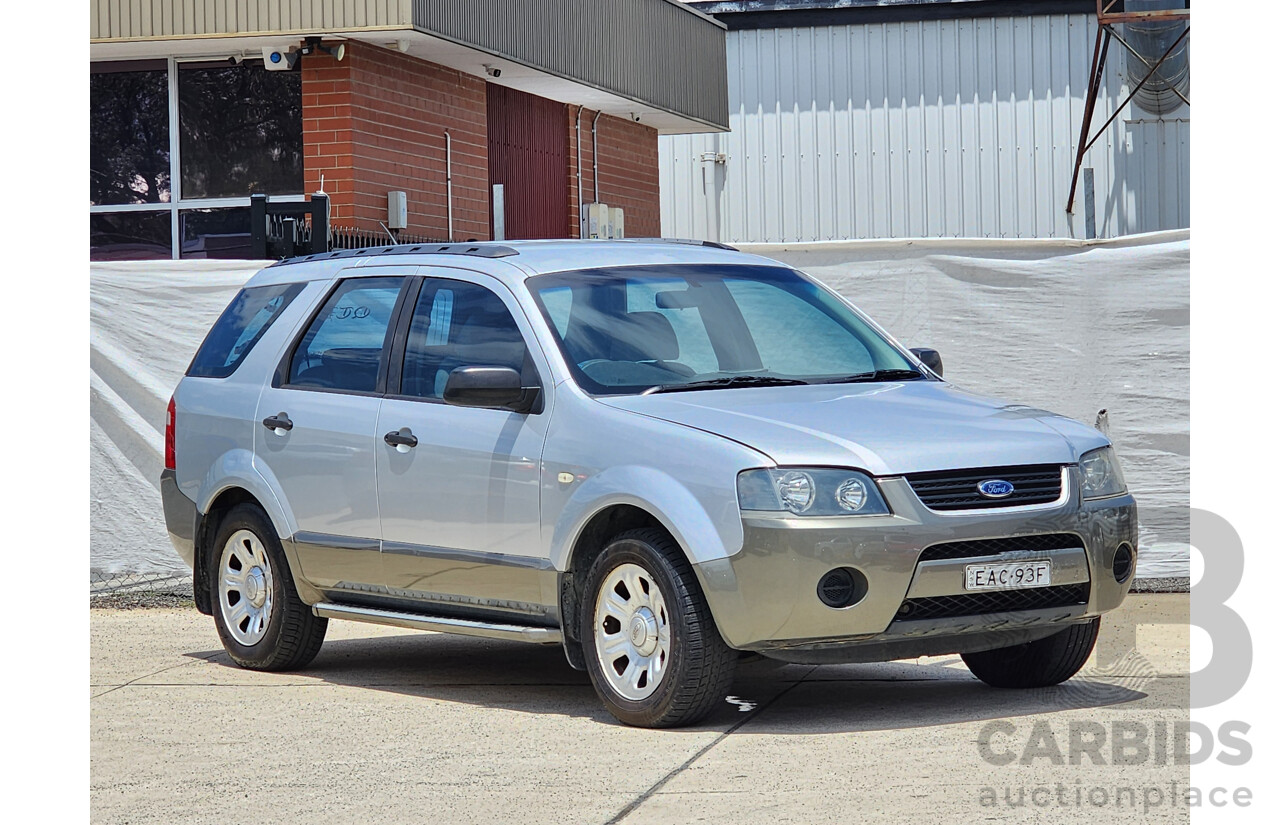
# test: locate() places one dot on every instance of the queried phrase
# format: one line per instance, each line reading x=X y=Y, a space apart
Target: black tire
x=293 y=634
x=1048 y=661
x=700 y=669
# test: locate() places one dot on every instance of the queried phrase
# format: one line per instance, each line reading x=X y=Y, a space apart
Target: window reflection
x=216 y=233
x=129 y=236
x=128 y=135
x=241 y=130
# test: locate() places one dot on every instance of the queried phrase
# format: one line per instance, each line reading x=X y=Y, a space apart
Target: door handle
x=278 y=423
x=402 y=439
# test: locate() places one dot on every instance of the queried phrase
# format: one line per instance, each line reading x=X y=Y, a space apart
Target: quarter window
x=343 y=348
x=457 y=324
x=244 y=321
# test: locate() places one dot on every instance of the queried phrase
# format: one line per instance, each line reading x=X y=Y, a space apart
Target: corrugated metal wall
x=186 y=18
x=529 y=156
x=921 y=129
x=647 y=50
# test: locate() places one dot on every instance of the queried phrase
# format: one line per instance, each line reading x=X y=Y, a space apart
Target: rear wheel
x=263 y=623
x=651 y=646
x=1044 y=662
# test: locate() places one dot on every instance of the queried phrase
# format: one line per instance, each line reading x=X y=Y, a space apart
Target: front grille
x=993 y=547
x=997 y=601
x=958 y=489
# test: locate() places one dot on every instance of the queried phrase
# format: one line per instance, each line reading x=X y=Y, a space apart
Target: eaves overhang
x=655 y=61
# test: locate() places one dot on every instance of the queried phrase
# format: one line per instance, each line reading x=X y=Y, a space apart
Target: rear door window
x=346 y=344
x=245 y=320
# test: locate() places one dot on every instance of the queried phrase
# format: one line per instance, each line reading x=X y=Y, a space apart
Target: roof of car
x=513 y=260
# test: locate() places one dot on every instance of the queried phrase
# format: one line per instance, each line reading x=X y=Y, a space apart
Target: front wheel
x=263 y=623
x=651 y=646
x=1044 y=662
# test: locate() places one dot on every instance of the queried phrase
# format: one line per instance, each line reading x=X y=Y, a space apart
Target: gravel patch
x=1162 y=584
x=141 y=598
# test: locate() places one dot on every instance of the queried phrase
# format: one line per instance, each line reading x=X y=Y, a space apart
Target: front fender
x=702 y=535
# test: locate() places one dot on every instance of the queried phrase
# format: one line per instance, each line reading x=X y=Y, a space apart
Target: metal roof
x=659 y=60
x=768 y=14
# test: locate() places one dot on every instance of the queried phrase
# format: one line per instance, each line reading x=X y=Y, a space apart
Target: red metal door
x=529 y=156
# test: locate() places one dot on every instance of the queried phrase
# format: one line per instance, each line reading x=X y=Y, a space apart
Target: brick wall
x=628 y=171
x=375 y=123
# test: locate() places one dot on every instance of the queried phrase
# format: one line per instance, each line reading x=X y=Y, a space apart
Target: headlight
x=1100 y=475
x=810 y=492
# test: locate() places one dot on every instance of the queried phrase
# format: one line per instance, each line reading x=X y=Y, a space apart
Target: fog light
x=842 y=587
x=1122 y=565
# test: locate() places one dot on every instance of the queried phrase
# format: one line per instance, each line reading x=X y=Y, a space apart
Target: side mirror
x=930 y=358
x=493 y=387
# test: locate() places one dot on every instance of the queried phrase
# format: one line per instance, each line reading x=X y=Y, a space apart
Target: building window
x=129 y=134
x=130 y=236
x=177 y=148
x=216 y=233
x=241 y=130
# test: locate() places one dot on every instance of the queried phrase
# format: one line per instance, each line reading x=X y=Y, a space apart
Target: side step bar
x=441 y=624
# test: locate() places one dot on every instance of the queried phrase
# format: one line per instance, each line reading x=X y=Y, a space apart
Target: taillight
x=170 y=453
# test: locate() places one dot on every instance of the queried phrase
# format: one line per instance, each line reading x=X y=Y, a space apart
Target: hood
x=884 y=428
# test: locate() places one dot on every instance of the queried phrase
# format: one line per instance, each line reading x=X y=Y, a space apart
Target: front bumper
x=764 y=598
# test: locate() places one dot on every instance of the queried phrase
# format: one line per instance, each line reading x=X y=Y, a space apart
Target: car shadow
x=782 y=698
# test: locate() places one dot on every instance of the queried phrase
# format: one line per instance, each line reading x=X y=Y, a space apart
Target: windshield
x=675 y=327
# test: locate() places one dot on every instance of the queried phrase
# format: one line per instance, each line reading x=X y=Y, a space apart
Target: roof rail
x=476 y=250
x=687 y=241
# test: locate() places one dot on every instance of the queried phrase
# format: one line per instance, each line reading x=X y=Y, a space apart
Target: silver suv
x=658 y=455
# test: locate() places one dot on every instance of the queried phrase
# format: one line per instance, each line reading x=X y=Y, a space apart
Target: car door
x=460 y=509
x=319 y=420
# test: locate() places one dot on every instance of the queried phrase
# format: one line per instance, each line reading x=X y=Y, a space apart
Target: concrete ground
x=402 y=726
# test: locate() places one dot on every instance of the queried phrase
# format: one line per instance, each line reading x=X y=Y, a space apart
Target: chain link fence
x=127 y=590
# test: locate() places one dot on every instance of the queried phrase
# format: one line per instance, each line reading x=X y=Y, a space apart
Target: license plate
x=1009 y=576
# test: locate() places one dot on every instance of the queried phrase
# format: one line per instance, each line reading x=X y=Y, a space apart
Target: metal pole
x=577 y=142
x=1095 y=82
x=595 y=158
x=1090 y=210
x=175 y=162
x=448 y=178
x=499 y=214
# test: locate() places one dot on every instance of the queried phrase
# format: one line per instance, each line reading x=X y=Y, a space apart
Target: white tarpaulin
x=146 y=320
x=1064 y=325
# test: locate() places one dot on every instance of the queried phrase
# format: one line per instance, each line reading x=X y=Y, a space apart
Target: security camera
x=312 y=45
x=492 y=71
x=278 y=59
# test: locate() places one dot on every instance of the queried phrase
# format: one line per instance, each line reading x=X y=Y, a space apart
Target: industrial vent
x=1150 y=39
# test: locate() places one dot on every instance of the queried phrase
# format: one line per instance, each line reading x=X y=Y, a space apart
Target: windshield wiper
x=726 y=383
x=877 y=375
